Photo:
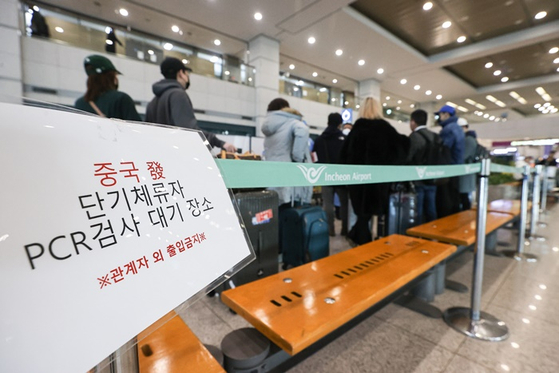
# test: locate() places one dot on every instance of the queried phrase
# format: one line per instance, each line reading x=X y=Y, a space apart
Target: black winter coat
x=373 y=142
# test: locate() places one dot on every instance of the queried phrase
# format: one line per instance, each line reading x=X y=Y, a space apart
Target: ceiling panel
x=518 y=64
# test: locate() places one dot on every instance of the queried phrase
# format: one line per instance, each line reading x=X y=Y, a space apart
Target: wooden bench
x=459 y=229
x=298 y=307
x=170 y=346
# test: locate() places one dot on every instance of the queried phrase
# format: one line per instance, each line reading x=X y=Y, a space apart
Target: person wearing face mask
x=346 y=129
x=102 y=96
x=171 y=104
x=452 y=136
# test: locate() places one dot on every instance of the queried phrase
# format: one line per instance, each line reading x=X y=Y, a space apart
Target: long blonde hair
x=370 y=109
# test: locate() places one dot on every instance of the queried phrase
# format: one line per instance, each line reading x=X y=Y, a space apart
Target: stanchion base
x=520 y=256
x=455 y=286
x=487 y=328
x=537 y=238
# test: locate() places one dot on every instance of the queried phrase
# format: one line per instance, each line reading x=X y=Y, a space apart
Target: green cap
x=96 y=64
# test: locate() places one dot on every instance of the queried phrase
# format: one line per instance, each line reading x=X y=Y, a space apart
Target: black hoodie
x=328 y=145
x=171 y=105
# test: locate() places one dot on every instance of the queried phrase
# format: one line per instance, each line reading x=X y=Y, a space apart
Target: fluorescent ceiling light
x=489 y=65
x=449 y=103
x=315 y=74
x=291 y=67
x=123 y=12
x=417 y=87
x=491 y=98
x=380 y=71
x=540 y=15
x=447 y=24
x=497 y=72
x=428 y=6
x=403 y=81
x=439 y=97
x=500 y=103
x=258 y=16
x=541 y=91
x=480 y=106
x=339 y=52
x=167 y=46
x=470 y=101
x=311 y=40
x=553 y=50
x=461 y=39
x=428 y=92
x=462 y=108
x=361 y=62
x=217 y=42
x=505 y=79
x=175 y=28
x=514 y=95
x=334 y=81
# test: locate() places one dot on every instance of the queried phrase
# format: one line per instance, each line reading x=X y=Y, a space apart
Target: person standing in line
x=286 y=140
x=102 y=96
x=467 y=182
x=171 y=104
x=110 y=42
x=372 y=141
x=448 y=195
x=426 y=191
x=327 y=148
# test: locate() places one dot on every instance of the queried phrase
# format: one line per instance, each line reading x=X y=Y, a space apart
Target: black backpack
x=436 y=154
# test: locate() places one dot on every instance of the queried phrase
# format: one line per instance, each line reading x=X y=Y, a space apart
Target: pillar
x=264 y=56
x=10 y=51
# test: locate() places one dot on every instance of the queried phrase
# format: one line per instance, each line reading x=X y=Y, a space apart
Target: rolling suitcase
x=259 y=211
x=402 y=211
x=304 y=235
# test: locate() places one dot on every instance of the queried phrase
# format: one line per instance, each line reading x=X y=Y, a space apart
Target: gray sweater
x=171 y=105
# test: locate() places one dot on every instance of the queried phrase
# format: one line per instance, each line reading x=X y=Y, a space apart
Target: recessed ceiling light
x=291 y=67
x=150 y=52
x=397 y=108
x=417 y=87
x=217 y=42
x=461 y=39
x=175 y=28
x=109 y=42
x=505 y=79
x=334 y=81
x=497 y=72
x=556 y=60
x=380 y=71
x=489 y=65
x=361 y=62
x=403 y=81
x=300 y=82
x=399 y=101
x=167 y=46
x=439 y=97
x=315 y=74
x=537 y=106
x=185 y=61
x=540 y=15
x=412 y=106
x=257 y=16
x=428 y=5
x=486 y=116
x=428 y=93
x=447 y=24
x=311 y=40
x=387 y=98
x=339 y=52
x=214 y=59
x=227 y=72
x=357 y=106
x=558 y=69
x=553 y=50
x=384 y=104
x=59 y=29
x=36 y=8
x=123 y=12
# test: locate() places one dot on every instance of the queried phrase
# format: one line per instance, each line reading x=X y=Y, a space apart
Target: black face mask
x=187 y=84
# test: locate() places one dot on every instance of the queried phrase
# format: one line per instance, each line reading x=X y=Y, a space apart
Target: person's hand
x=229 y=147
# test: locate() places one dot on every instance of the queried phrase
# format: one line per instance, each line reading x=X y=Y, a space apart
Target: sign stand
x=472 y=321
x=519 y=254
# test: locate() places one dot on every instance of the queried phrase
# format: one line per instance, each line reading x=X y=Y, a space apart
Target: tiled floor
x=524 y=295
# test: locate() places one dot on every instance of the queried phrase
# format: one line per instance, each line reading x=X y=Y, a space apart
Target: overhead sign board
x=105 y=227
x=347 y=115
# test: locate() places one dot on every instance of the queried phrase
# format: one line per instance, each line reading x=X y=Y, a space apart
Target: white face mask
x=346 y=131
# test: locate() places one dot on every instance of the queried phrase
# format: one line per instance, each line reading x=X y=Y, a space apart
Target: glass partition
x=77 y=30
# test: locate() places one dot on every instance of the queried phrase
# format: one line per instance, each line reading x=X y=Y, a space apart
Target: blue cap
x=447 y=109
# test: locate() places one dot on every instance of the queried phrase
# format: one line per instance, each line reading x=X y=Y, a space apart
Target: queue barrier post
x=536 y=189
x=519 y=253
x=472 y=321
x=543 y=200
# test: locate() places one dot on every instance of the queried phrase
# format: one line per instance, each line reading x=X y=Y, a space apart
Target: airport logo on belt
x=312 y=174
x=421 y=171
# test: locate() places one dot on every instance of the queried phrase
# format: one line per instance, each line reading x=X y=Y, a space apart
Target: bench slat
x=294 y=315
x=175 y=349
x=460 y=228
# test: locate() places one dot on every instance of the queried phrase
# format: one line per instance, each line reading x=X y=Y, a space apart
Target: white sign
x=347 y=115
x=105 y=227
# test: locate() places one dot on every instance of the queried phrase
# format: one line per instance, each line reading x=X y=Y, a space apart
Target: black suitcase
x=259 y=211
x=305 y=235
x=402 y=211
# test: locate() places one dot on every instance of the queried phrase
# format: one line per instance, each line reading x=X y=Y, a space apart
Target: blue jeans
x=426 y=203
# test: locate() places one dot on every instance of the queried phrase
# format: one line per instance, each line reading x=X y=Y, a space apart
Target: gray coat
x=287 y=140
x=468 y=182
